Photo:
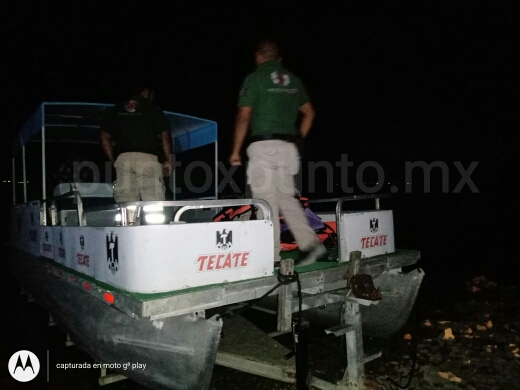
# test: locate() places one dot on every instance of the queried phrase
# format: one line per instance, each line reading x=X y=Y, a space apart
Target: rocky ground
x=468 y=341
x=471 y=341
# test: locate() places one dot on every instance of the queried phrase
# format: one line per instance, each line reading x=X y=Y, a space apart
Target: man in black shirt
x=143 y=147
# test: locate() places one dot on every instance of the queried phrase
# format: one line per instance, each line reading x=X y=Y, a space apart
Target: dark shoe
x=312 y=255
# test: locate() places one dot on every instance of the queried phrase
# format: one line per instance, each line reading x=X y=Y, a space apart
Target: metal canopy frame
x=188 y=132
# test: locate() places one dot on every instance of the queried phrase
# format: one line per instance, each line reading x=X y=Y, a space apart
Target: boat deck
x=319 y=277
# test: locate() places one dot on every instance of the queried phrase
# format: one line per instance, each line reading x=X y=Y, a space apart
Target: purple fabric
x=314 y=221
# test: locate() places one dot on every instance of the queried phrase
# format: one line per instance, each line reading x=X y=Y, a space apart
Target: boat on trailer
x=160 y=292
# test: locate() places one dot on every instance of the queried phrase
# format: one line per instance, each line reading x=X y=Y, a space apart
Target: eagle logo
x=224 y=239
x=374 y=225
x=112 y=253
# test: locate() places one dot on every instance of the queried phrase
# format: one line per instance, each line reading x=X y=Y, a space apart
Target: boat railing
x=180 y=207
x=50 y=209
x=339 y=201
x=339 y=209
x=51 y=204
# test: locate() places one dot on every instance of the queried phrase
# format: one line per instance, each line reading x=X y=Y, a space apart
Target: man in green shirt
x=271 y=98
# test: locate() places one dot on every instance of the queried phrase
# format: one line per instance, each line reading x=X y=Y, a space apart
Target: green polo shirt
x=275 y=95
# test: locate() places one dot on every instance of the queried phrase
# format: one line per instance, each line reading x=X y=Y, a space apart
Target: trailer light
x=118 y=217
x=109 y=298
x=87 y=286
x=153 y=207
x=154 y=218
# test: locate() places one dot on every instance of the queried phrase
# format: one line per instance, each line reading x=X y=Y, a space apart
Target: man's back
x=136 y=126
x=269 y=103
x=275 y=94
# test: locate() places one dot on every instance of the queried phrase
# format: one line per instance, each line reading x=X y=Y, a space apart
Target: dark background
x=391 y=82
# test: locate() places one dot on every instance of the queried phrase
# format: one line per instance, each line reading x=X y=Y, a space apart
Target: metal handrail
x=264 y=206
x=79 y=203
x=54 y=209
x=351 y=197
x=54 y=213
x=185 y=205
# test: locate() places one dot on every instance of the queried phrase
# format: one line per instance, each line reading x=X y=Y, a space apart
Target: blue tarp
x=80 y=122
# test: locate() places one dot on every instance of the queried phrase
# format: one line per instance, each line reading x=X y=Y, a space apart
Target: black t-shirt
x=136 y=126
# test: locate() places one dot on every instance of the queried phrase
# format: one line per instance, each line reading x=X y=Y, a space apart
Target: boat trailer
x=289 y=291
x=170 y=287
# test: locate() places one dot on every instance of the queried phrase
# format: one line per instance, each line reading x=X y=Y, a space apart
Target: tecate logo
x=24 y=366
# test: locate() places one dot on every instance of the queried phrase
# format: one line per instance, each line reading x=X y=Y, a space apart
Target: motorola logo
x=24 y=366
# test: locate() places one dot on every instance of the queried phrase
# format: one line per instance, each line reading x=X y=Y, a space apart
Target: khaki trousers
x=139 y=177
x=272 y=167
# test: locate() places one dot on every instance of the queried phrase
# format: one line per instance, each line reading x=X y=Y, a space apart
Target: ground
x=468 y=341
x=468 y=338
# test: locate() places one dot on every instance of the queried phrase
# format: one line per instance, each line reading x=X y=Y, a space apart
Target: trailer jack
x=300 y=334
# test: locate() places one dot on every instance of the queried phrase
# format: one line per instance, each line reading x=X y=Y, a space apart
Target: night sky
x=391 y=81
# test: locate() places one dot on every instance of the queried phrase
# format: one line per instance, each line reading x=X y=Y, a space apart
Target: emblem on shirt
x=280 y=78
x=242 y=92
x=131 y=106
